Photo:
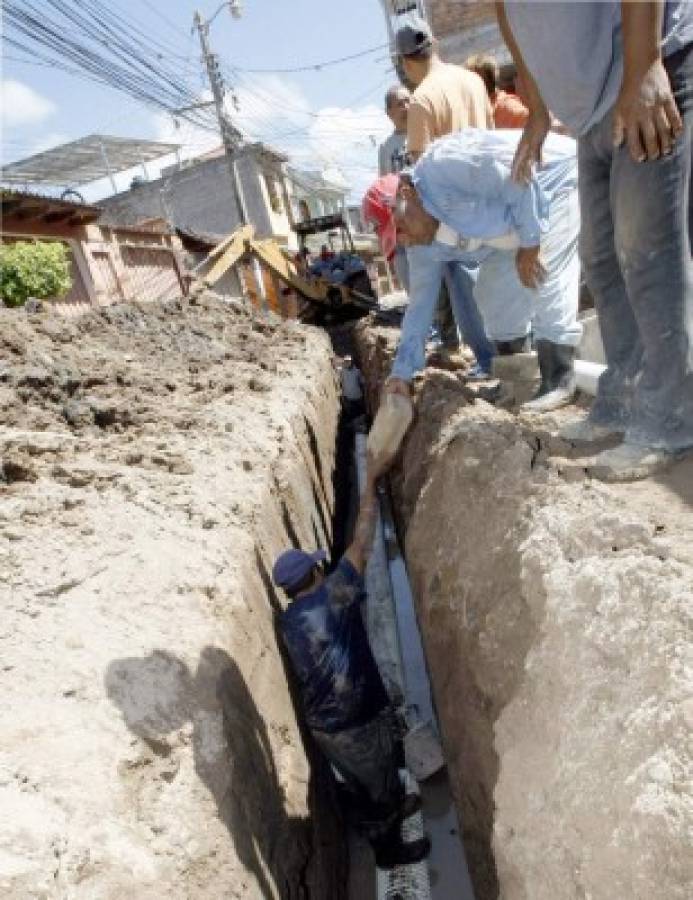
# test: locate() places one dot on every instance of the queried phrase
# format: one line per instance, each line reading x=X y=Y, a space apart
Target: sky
x=329 y=119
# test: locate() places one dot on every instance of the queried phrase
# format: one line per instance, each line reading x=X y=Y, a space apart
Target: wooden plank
x=236 y=246
x=269 y=253
x=244 y=233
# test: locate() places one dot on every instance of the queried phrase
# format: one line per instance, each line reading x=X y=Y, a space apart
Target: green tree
x=38 y=269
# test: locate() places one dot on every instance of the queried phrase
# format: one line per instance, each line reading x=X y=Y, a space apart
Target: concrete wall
x=200 y=199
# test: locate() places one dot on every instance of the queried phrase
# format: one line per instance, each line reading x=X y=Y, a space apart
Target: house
x=198 y=197
x=109 y=264
x=313 y=195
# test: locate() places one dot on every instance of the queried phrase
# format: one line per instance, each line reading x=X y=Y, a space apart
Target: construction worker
x=392 y=158
x=352 y=389
x=377 y=209
x=344 y=701
x=446 y=98
x=620 y=76
x=392 y=152
x=460 y=203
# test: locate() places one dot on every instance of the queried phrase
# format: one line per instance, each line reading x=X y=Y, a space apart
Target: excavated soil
x=154 y=460
x=556 y=613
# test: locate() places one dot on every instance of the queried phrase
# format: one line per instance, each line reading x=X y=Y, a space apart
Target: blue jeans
x=511 y=310
x=428 y=265
x=460 y=280
x=460 y=284
x=399 y=263
x=635 y=246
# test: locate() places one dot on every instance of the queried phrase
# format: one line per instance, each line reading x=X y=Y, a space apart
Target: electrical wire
x=90 y=39
x=103 y=46
x=317 y=67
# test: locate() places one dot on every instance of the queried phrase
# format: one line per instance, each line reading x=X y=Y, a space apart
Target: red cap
x=378 y=207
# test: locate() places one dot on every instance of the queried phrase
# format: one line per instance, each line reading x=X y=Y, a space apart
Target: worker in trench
x=352 y=383
x=459 y=203
x=345 y=704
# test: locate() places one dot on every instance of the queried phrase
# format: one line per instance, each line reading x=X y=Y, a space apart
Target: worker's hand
x=646 y=116
x=529 y=268
x=398 y=386
x=529 y=149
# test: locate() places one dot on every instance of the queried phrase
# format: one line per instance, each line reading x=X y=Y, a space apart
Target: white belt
x=445 y=235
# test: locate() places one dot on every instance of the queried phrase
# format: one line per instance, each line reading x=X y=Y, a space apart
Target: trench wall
x=555 y=613
x=154 y=462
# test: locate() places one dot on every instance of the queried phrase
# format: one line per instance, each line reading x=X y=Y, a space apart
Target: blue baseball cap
x=293 y=566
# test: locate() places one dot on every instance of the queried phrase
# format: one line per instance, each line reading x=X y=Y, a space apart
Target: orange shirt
x=509 y=111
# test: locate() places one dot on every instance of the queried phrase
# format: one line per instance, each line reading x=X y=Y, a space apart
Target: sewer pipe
x=587 y=375
x=396 y=641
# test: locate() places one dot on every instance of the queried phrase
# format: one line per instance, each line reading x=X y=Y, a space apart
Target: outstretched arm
x=364 y=530
x=539 y=120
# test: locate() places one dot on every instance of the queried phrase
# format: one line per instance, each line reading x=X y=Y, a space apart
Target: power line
x=314 y=66
x=102 y=46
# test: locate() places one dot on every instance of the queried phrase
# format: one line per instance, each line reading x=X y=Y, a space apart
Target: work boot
x=557 y=369
x=398 y=853
x=515 y=345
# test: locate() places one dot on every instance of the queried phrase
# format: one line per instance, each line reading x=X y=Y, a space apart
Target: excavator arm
x=242 y=244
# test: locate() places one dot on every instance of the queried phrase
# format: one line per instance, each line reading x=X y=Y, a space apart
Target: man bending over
x=459 y=203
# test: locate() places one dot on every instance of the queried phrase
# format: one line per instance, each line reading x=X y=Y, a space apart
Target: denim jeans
x=635 y=246
x=511 y=310
x=428 y=265
x=460 y=286
x=460 y=280
x=399 y=263
x=367 y=757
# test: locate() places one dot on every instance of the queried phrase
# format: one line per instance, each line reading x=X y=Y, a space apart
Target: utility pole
x=230 y=135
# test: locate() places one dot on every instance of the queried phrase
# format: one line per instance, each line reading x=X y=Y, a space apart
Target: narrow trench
x=445 y=876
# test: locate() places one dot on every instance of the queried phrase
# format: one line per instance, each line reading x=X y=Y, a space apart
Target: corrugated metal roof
x=88 y=159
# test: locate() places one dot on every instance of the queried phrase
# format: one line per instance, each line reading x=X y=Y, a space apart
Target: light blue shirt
x=575 y=52
x=463 y=180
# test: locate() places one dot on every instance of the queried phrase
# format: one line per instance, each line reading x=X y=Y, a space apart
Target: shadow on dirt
x=159 y=694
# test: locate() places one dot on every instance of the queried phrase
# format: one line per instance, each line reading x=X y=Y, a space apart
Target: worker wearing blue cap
x=345 y=703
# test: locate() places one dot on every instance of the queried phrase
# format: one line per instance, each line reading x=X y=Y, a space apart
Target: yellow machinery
x=334 y=299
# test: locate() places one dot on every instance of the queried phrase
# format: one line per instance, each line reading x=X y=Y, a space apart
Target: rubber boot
x=515 y=345
x=557 y=368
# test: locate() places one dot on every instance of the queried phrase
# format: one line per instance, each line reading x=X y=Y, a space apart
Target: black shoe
x=557 y=368
x=401 y=854
x=516 y=345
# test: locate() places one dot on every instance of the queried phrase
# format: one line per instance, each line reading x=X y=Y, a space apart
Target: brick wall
x=449 y=17
x=465 y=27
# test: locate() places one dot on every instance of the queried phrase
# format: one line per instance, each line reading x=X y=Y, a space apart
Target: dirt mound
x=154 y=460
